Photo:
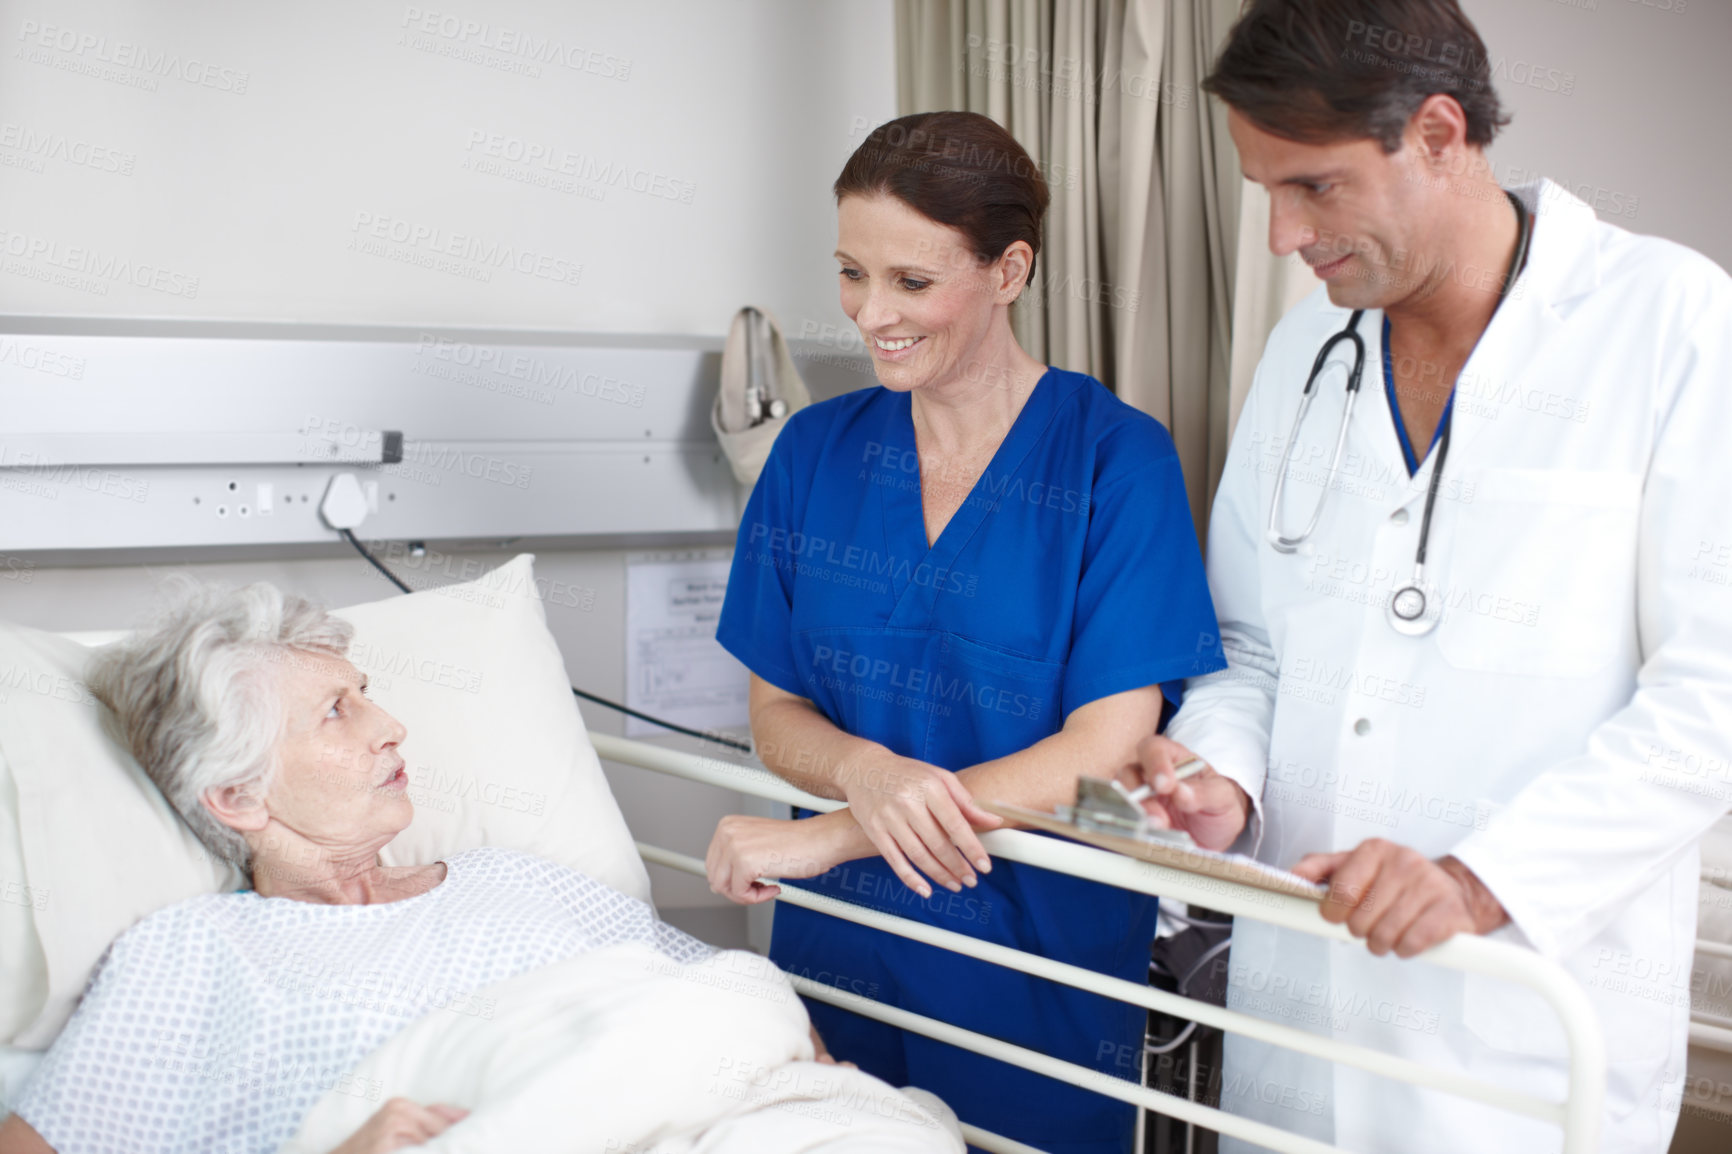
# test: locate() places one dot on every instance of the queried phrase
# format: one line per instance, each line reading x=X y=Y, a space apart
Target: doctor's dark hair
x=1320 y=71
x=960 y=169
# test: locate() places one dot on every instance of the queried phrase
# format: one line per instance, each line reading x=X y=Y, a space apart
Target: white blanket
x=624 y=1051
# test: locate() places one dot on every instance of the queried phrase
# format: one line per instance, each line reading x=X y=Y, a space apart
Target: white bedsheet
x=215 y=1024
x=1706 y=1087
x=626 y=1051
x=16 y=1067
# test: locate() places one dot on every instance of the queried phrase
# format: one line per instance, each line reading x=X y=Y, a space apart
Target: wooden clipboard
x=1176 y=856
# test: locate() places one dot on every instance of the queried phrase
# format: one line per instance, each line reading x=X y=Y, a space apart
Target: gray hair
x=196 y=698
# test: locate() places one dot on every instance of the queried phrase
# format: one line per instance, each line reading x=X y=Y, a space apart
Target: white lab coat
x=1567 y=729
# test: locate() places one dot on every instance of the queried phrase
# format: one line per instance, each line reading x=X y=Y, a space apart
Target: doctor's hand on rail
x=1209 y=807
x=1398 y=899
x=400 y=1123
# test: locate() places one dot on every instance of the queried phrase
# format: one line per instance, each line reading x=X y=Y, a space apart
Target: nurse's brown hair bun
x=958 y=168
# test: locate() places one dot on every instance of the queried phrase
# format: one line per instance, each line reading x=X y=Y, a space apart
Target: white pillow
x=98 y=846
x=496 y=750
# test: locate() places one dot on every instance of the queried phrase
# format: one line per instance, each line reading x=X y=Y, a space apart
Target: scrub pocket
x=935 y=696
x=993 y=703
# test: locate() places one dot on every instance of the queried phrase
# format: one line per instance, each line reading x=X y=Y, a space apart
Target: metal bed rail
x=1578 y=1115
x=1711 y=1031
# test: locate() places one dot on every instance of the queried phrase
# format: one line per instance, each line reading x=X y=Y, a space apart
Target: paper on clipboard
x=1210 y=863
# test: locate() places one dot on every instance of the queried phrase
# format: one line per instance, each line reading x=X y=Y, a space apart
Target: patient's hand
x=19 y=1137
x=399 y=1123
x=821 y=1054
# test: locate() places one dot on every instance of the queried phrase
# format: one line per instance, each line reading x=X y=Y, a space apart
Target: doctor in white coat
x=1533 y=750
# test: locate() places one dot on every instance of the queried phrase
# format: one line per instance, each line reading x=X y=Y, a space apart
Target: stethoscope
x=1415 y=608
x=761 y=403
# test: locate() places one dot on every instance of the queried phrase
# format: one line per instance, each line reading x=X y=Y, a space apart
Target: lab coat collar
x=1562 y=266
x=1563 y=262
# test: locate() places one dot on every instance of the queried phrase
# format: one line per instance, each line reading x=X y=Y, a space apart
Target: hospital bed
x=1577 y=1115
x=1705 y=1114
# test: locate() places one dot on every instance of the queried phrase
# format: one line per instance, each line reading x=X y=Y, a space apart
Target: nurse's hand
x=920 y=817
x=745 y=849
x=1209 y=807
x=1398 y=899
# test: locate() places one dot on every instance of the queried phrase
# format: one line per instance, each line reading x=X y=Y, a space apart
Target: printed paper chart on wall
x=674 y=667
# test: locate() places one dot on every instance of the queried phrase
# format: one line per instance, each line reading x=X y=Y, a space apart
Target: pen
x=1180 y=772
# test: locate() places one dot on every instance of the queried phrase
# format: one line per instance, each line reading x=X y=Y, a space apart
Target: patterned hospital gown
x=216 y=1024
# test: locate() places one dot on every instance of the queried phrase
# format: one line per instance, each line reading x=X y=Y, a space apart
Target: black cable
x=374 y=561
x=1196 y=923
x=718 y=738
x=1209 y=955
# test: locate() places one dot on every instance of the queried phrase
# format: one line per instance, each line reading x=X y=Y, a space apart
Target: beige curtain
x=1263 y=289
x=1149 y=233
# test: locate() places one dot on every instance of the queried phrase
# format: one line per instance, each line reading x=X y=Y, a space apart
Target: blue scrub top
x=1070 y=573
x=1409 y=457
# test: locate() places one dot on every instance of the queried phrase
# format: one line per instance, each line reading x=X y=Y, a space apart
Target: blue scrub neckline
x=904 y=512
x=1408 y=457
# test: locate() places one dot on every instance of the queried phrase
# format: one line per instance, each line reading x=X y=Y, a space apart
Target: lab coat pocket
x=1511 y=1018
x=1538 y=573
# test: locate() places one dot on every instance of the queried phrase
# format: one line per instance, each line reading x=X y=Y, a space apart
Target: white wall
x=317 y=116
x=238 y=199
x=1622 y=101
x=751 y=104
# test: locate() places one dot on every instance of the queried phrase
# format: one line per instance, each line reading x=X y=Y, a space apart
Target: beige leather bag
x=760 y=389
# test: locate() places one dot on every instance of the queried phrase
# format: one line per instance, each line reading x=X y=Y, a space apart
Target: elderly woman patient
x=216 y=1024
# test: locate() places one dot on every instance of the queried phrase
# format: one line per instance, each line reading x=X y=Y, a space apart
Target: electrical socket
x=230 y=496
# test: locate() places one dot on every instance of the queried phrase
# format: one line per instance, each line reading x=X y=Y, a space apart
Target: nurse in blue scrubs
x=978 y=580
